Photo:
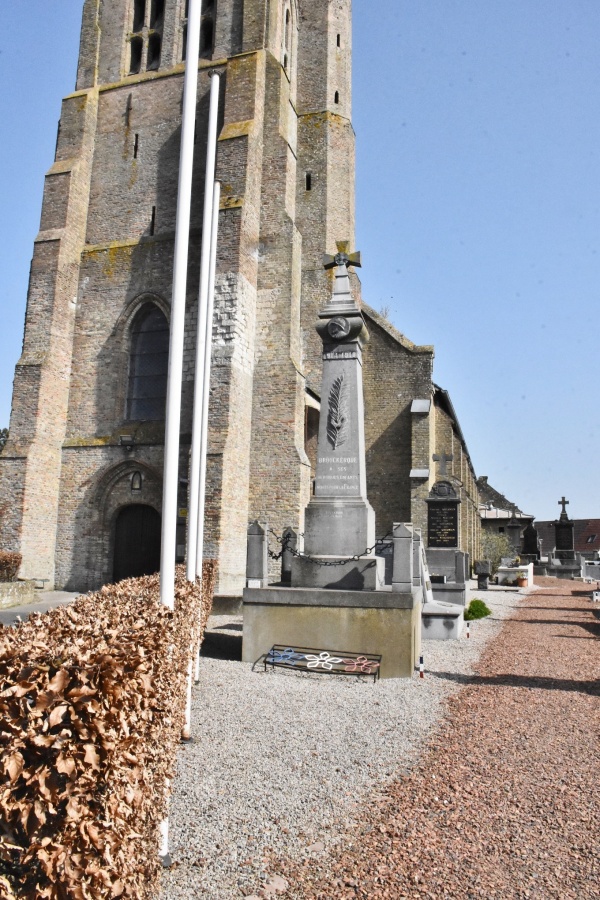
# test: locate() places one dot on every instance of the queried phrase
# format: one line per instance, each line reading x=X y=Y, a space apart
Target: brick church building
x=81 y=473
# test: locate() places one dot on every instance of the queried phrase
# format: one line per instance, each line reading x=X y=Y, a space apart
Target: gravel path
x=287 y=766
x=505 y=803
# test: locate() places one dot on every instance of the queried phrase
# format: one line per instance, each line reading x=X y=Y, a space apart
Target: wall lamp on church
x=126 y=440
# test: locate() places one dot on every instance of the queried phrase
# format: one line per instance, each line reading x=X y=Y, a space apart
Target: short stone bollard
x=289 y=548
x=257 y=564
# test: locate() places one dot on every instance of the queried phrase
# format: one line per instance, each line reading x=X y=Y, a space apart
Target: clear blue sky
x=478 y=213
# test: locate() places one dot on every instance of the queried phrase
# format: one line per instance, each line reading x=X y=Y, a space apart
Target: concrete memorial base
x=379 y=622
x=16 y=593
x=364 y=574
x=442 y=621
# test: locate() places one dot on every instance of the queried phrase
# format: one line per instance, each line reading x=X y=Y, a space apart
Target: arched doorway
x=137 y=542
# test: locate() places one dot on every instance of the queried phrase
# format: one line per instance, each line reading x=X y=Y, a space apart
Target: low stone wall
x=508 y=574
x=16 y=593
x=381 y=622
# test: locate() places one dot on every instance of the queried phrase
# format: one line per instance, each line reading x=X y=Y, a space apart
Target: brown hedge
x=92 y=703
x=9 y=565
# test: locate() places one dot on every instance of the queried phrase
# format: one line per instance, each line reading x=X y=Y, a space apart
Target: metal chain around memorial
x=285 y=541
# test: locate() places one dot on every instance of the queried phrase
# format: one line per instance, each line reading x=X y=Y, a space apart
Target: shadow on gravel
x=522 y=681
x=564 y=609
x=592 y=627
x=222 y=646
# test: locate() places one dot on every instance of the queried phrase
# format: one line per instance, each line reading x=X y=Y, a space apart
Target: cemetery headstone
x=447 y=563
x=483 y=570
x=530 y=549
x=442 y=515
x=564 y=532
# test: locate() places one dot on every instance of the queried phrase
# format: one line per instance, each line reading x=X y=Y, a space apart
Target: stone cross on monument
x=443 y=460
x=564 y=503
x=339 y=521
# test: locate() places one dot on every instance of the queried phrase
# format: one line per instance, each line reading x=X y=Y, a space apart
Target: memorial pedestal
x=385 y=623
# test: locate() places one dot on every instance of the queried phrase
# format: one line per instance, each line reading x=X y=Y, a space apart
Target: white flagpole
x=204 y=331
x=206 y=385
x=177 y=333
x=205 y=404
x=180 y=263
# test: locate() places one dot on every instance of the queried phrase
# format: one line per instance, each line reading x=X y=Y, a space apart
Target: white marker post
x=206 y=386
x=177 y=332
x=205 y=403
x=204 y=334
x=180 y=263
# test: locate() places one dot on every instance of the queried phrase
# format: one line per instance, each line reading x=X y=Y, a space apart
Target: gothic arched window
x=148 y=359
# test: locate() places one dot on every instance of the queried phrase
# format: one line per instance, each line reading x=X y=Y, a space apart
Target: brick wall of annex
x=462 y=476
x=395 y=372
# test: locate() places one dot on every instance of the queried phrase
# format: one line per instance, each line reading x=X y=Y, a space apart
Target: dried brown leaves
x=9 y=565
x=92 y=702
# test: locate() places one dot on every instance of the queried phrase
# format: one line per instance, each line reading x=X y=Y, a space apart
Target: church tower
x=81 y=473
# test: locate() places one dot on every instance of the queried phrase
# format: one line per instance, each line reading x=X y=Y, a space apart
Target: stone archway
x=130 y=482
x=137 y=541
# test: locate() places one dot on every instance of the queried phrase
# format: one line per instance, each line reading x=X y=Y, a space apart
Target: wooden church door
x=137 y=542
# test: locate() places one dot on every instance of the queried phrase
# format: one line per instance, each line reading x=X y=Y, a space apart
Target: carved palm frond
x=337 y=417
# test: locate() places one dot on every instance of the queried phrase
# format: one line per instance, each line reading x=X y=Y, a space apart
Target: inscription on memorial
x=338 y=475
x=442 y=525
x=340 y=354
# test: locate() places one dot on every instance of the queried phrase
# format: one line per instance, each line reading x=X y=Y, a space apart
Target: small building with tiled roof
x=586 y=537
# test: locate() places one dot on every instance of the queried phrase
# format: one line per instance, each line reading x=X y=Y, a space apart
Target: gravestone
x=563 y=562
x=530 y=548
x=442 y=516
x=483 y=571
x=448 y=565
x=564 y=534
x=513 y=530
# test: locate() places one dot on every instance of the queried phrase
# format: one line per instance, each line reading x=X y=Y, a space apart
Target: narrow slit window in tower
x=153 y=52
x=148 y=358
x=184 y=44
x=135 y=52
x=309 y=181
x=157 y=11
x=206 y=37
x=136 y=146
x=339 y=40
x=139 y=14
x=153 y=221
x=287 y=39
x=336 y=97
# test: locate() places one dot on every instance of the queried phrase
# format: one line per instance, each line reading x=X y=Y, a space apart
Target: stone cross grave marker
x=443 y=459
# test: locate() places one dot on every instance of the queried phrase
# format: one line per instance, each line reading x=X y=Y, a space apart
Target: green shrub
x=476 y=609
x=494 y=546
